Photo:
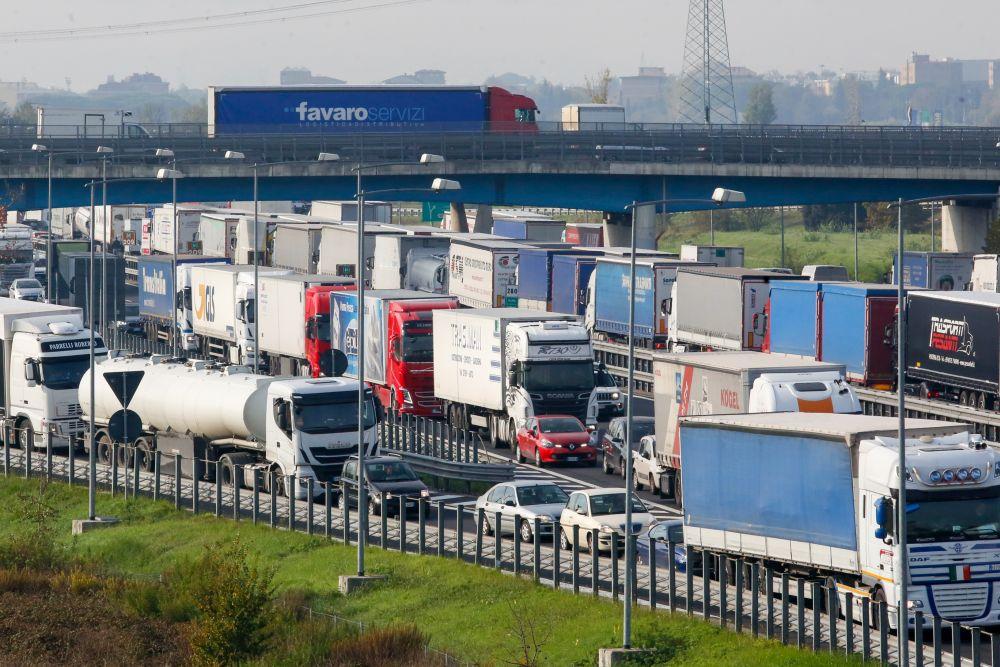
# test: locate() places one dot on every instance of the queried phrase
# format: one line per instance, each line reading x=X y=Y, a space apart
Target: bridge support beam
x=483 y=223
x=617 y=228
x=963 y=226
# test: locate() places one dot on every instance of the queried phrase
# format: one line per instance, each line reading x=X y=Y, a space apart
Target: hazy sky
x=562 y=40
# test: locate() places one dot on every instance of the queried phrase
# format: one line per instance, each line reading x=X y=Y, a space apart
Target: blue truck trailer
x=792 y=319
x=156 y=285
x=535 y=279
x=570 y=277
x=857 y=329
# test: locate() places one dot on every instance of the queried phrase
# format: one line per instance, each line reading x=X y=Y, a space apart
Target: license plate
x=572 y=458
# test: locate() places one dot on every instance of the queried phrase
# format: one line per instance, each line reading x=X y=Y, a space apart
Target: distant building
x=145 y=84
x=920 y=69
x=12 y=93
x=422 y=77
x=301 y=76
x=648 y=87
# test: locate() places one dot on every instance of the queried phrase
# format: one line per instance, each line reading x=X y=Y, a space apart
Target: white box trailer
x=217 y=233
x=731 y=256
x=296 y=247
x=338 y=249
x=593 y=116
x=483 y=273
x=347 y=211
x=721 y=308
x=394 y=255
x=188 y=224
x=985 y=273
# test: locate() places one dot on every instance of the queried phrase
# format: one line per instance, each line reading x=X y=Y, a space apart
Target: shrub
x=382 y=647
x=234 y=605
x=34 y=545
x=23 y=581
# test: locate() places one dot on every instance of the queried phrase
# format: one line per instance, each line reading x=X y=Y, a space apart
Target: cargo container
x=953 y=346
x=793 y=318
x=529 y=229
x=483 y=274
x=593 y=117
x=217 y=233
x=720 y=308
x=338 y=249
x=75 y=268
x=399 y=358
x=985 y=273
x=719 y=383
x=570 y=278
x=379 y=108
x=61 y=282
x=296 y=247
x=188 y=224
x=857 y=325
x=156 y=288
x=534 y=275
x=495 y=368
x=815 y=496
x=942 y=271
x=731 y=256
x=115 y=225
x=585 y=234
x=654 y=279
x=395 y=254
x=347 y=211
x=294 y=322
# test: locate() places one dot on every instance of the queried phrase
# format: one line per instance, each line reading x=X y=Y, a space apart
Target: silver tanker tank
x=187 y=397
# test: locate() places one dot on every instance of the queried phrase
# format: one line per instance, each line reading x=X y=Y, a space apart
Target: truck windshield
x=64 y=372
x=418 y=346
x=330 y=416
x=559 y=376
x=944 y=520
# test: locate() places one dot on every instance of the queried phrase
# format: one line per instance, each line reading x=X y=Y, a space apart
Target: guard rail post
x=595 y=563
x=290 y=492
x=817 y=605
x=421 y=525
x=273 y=492
x=755 y=599
x=556 y=552
x=883 y=631
x=866 y=629
x=739 y=584
x=255 y=491
x=688 y=581
x=115 y=453
x=218 y=487
x=652 y=574
x=71 y=456
x=498 y=542
x=995 y=648
x=239 y=474
x=671 y=576
x=956 y=643
x=383 y=524
x=345 y=503
x=833 y=617
x=28 y=454
x=576 y=558
x=440 y=528
x=769 y=603
x=480 y=527
x=784 y=607
x=517 y=552
x=402 y=523
x=48 y=455
x=633 y=572
x=178 y=464
x=723 y=593
x=614 y=565
x=310 y=505
x=136 y=473
x=6 y=449
x=195 y=485
x=849 y=622
x=536 y=555
x=327 y=511
x=157 y=463
x=936 y=638
x=459 y=532
x=918 y=638
x=977 y=647
x=706 y=584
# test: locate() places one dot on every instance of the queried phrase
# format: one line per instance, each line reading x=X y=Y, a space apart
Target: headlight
x=915 y=604
x=544 y=517
x=680 y=555
x=607 y=530
x=425 y=493
x=615 y=396
x=407 y=397
x=546 y=443
x=388 y=496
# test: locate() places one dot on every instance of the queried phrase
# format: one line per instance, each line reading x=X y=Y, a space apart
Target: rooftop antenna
x=707 y=79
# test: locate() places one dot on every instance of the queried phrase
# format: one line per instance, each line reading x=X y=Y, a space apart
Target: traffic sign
x=124 y=384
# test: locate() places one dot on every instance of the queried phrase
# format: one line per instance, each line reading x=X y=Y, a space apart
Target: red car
x=555 y=439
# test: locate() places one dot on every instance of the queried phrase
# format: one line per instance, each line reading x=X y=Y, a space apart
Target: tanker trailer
x=291 y=426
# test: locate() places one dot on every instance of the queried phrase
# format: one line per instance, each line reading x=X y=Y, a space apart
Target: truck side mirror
x=883 y=518
x=241 y=310
x=281 y=415
x=339 y=365
x=31 y=372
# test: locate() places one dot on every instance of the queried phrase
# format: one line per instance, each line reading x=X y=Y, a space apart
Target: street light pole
x=92 y=477
x=855 y=241
x=104 y=243
x=359 y=276
x=173 y=261
x=901 y=574
x=256 y=276
x=48 y=240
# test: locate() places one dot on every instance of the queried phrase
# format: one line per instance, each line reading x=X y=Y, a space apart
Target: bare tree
x=529 y=640
x=598 y=86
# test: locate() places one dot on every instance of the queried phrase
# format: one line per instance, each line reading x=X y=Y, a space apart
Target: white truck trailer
x=298 y=427
x=161 y=237
x=338 y=249
x=46 y=351
x=395 y=254
x=816 y=495
x=483 y=273
x=496 y=367
x=222 y=310
x=721 y=383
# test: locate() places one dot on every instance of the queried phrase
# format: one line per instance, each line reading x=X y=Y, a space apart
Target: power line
x=169 y=26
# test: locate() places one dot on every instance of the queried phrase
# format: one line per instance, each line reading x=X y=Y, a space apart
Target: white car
x=519 y=503
x=603 y=510
x=646 y=470
x=27 y=289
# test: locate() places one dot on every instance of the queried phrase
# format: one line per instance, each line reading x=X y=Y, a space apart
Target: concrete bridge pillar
x=963 y=226
x=618 y=228
x=456 y=220
x=483 y=223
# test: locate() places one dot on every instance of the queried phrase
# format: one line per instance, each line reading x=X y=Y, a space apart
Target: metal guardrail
x=740 y=594
x=865 y=146
x=491 y=473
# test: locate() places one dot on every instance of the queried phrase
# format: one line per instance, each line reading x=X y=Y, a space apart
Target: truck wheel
x=652 y=487
x=981 y=401
x=512 y=434
x=878 y=598
x=963 y=398
x=25 y=435
x=678 y=490
x=925 y=390
x=232 y=475
x=104 y=451
x=495 y=439
x=144 y=456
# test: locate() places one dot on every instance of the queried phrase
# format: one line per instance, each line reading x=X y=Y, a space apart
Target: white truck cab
x=45 y=354
x=817 y=391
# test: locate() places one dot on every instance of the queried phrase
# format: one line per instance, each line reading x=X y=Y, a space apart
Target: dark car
x=614 y=437
x=387 y=477
x=661 y=534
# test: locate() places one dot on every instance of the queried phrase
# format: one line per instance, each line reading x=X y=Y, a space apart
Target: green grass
x=763 y=248
x=465 y=610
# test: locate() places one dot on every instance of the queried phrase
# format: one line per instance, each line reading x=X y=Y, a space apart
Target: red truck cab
x=318 y=328
x=409 y=375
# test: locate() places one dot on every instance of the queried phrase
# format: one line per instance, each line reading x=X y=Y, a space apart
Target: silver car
x=519 y=503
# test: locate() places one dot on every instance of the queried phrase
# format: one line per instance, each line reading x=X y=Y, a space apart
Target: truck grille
x=960 y=601
x=71 y=410
x=325 y=456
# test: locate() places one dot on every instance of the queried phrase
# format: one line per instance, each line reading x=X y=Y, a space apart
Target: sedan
x=519 y=504
x=613 y=440
x=555 y=439
x=602 y=510
x=388 y=478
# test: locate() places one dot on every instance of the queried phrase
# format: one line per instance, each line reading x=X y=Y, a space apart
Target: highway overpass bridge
x=598 y=170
